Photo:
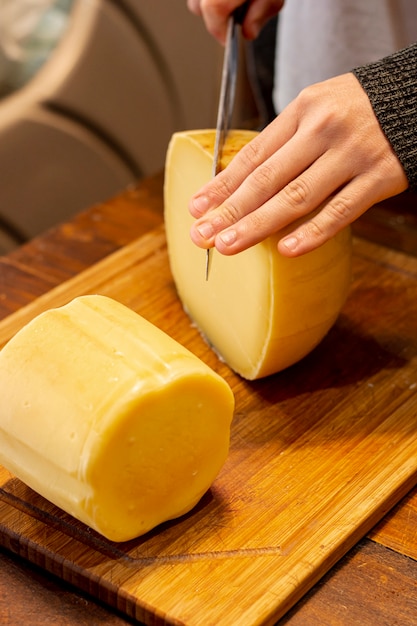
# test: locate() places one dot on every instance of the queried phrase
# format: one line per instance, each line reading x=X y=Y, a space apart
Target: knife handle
x=240 y=12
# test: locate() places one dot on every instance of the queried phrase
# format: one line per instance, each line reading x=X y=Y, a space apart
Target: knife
x=227 y=93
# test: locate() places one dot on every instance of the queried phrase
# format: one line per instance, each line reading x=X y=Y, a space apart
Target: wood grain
x=319 y=454
x=370 y=586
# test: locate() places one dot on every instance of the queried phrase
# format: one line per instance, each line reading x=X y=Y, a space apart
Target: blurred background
x=90 y=94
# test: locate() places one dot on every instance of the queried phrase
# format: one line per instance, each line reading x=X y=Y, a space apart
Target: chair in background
x=99 y=113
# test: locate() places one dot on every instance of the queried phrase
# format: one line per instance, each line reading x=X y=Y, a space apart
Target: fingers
x=215 y=14
x=335 y=214
x=251 y=196
x=338 y=211
x=277 y=196
x=236 y=225
x=254 y=155
x=310 y=172
x=194 y=6
x=258 y=14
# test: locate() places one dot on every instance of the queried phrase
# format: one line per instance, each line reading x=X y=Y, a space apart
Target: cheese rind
x=259 y=310
x=109 y=418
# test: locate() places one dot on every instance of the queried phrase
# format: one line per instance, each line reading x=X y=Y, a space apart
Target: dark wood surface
x=376 y=583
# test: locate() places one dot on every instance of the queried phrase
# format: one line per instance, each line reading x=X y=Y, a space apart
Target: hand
x=325 y=151
x=215 y=14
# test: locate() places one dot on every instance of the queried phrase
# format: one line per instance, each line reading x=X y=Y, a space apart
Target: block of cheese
x=261 y=312
x=109 y=418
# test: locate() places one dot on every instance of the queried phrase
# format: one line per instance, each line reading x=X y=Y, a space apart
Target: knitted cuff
x=391 y=86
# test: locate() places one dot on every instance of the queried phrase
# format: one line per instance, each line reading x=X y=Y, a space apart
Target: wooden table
x=375 y=583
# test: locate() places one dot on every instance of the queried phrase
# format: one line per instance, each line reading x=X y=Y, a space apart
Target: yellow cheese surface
x=109 y=418
x=260 y=311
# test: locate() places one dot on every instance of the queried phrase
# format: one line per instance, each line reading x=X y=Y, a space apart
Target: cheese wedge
x=261 y=312
x=109 y=418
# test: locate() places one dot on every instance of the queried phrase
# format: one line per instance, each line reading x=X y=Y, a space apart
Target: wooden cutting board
x=319 y=453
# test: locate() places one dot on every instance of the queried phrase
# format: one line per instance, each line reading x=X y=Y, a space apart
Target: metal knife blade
x=227 y=94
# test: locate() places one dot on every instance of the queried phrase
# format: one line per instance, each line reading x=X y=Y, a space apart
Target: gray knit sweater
x=391 y=85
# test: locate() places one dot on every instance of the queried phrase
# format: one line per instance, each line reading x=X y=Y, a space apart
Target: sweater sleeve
x=391 y=86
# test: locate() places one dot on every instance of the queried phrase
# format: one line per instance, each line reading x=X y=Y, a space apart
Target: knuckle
x=341 y=209
x=263 y=177
x=226 y=186
x=316 y=232
x=254 y=153
x=257 y=222
x=297 y=193
x=230 y=213
x=330 y=220
x=307 y=96
x=331 y=117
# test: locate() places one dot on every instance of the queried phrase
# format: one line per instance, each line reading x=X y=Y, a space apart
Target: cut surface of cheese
x=260 y=311
x=109 y=418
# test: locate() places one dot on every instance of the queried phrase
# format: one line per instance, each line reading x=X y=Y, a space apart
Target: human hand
x=215 y=14
x=325 y=151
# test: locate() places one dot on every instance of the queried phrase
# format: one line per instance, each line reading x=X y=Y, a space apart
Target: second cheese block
x=109 y=418
x=260 y=311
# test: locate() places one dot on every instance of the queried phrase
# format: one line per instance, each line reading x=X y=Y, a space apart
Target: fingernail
x=290 y=243
x=205 y=230
x=199 y=205
x=228 y=237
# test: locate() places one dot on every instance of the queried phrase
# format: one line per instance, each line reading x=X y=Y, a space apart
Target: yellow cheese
x=260 y=311
x=109 y=418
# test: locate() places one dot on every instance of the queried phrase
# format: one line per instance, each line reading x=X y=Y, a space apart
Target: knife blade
x=227 y=93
